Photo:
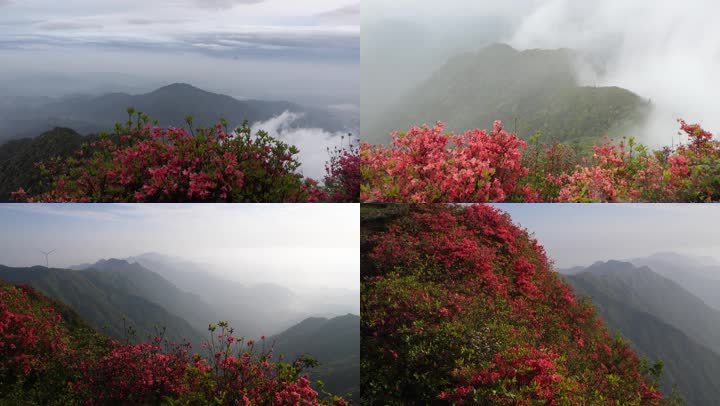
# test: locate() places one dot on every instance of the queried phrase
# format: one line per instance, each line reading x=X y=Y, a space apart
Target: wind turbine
x=47 y=261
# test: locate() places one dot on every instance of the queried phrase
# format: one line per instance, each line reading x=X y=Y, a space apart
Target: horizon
x=131 y=45
x=214 y=272
x=580 y=235
x=293 y=246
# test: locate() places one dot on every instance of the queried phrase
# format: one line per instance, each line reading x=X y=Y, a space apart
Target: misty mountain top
x=274 y=306
x=169 y=105
x=531 y=91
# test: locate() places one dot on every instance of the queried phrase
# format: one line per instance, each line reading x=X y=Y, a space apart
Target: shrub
x=143 y=163
x=43 y=361
x=426 y=165
x=461 y=306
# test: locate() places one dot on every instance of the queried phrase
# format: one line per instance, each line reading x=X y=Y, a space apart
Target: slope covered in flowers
x=146 y=163
x=461 y=306
x=426 y=164
x=48 y=356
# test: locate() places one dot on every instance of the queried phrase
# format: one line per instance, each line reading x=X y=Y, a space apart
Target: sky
x=581 y=234
x=294 y=245
x=306 y=51
x=666 y=51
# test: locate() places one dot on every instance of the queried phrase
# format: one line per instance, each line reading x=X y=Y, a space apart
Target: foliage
x=461 y=306
x=144 y=163
x=45 y=362
x=342 y=179
x=18 y=158
x=426 y=165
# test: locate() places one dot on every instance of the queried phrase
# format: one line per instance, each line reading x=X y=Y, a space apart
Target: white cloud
x=223 y=4
x=313 y=143
x=664 y=50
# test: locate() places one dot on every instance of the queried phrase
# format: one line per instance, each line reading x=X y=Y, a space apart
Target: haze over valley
x=290 y=70
x=285 y=272
x=657 y=291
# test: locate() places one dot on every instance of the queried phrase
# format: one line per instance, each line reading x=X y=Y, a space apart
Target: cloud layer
x=313 y=43
x=666 y=51
x=313 y=143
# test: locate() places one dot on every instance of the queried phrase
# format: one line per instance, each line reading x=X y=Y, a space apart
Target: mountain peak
x=180 y=90
x=179 y=85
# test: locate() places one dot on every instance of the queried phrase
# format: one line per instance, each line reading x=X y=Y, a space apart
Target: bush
x=142 y=163
x=426 y=165
x=460 y=306
x=43 y=361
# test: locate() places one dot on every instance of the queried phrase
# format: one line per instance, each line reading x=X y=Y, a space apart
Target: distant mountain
x=133 y=277
x=699 y=276
x=662 y=321
x=334 y=342
x=168 y=105
x=108 y=300
x=530 y=91
x=274 y=307
x=647 y=291
x=18 y=159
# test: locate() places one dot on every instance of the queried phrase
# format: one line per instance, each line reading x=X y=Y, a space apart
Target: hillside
x=459 y=305
x=132 y=277
x=106 y=301
x=48 y=356
x=697 y=277
x=335 y=343
x=644 y=290
x=47 y=328
x=168 y=105
x=694 y=368
x=18 y=158
x=275 y=307
x=530 y=91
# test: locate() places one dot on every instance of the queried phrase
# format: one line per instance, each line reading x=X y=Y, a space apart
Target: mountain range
x=169 y=105
x=336 y=343
x=700 y=276
x=106 y=301
x=113 y=294
x=662 y=320
x=530 y=91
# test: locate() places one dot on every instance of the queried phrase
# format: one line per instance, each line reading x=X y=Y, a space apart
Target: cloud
x=660 y=59
x=224 y=4
x=67 y=26
x=5 y=2
x=154 y=21
x=313 y=143
x=349 y=13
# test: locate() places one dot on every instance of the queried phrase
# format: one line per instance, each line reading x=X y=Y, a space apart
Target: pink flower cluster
x=142 y=163
x=81 y=367
x=429 y=165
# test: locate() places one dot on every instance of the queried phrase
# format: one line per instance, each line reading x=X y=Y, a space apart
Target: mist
x=265 y=49
x=295 y=246
x=314 y=143
x=667 y=52
x=579 y=235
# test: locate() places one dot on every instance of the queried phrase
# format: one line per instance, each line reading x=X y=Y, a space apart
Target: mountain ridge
x=688 y=362
x=529 y=90
x=169 y=105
